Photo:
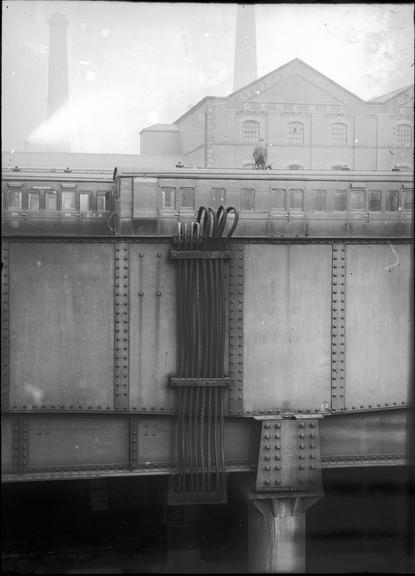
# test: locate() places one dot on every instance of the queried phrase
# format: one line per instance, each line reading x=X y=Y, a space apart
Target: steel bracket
x=289 y=456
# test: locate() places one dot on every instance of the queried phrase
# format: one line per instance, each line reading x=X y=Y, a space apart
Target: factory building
x=306 y=120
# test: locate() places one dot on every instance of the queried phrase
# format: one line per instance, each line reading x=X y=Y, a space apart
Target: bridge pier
x=276 y=533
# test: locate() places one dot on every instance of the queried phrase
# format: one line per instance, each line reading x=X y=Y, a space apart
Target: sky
x=133 y=64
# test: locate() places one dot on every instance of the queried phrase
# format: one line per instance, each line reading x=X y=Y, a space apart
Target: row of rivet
x=367 y=458
x=121 y=260
x=76 y=407
x=273 y=471
x=5 y=327
x=338 y=312
x=236 y=282
x=133 y=442
x=24 y=446
x=16 y=444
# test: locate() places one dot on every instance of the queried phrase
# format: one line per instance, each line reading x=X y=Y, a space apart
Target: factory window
x=319 y=200
x=101 y=201
x=218 y=197
x=248 y=199
x=338 y=134
x=278 y=198
x=296 y=133
x=68 y=200
x=357 y=200
x=375 y=200
x=391 y=200
x=33 y=201
x=168 y=197
x=296 y=200
x=187 y=197
x=15 y=200
x=406 y=199
x=340 y=200
x=51 y=201
x=84 y=201
x=403 y=135
x=250 y=131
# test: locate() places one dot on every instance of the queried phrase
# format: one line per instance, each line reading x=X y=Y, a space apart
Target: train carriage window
x=406 y=199
x=33 y=202
x=248 y=199
x=375 y=200
x=15 y=198
x=340 y=200
x=84 y=201
x=357 y=199
x=391 y=200
x=296 y=200
x=51 y=201
x=278 y=196
x=101 y=201
x=218 y=197
x=319 y=200
x=187 y=197
x=68 y=201
x=168 y=197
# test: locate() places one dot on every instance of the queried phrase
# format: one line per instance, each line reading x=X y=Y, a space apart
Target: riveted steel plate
x=121 y=323
x=61 y=325
x=152 y=326
x=5 y=325
x=289 y=455
x=338 y=320
x=378 y=324
x=287 y=329
x=55 y=441
x=236 y=290
x=156 y=441
x=7 y=444
x=357 y=436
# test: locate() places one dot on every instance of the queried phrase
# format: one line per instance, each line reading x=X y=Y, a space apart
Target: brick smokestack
x=58 y=93
x=245 y=69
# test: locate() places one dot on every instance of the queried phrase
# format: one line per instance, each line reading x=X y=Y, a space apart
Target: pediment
x=296 y=82
x=296 y=89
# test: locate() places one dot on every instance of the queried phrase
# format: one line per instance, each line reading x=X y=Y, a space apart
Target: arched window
x=338 y=134
x=296 y=133
x=250 y=131
x=403 y=135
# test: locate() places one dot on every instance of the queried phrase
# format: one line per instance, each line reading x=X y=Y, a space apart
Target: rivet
x=278 y=425
x=159 y=293
x=277 y=435
x=301 y=435
x=141 y=293
x=266 y=426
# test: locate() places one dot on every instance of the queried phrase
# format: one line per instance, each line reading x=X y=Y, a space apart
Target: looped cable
x=235 y=222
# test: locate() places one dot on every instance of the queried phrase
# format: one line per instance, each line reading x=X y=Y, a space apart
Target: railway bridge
x=204 y=324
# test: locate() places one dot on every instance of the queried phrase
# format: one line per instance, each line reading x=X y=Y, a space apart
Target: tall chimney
x=245 y=69
x=58 y=63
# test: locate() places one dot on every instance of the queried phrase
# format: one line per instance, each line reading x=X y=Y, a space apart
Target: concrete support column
x=276 y=532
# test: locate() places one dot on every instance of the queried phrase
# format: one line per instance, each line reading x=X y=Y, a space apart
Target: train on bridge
x=199 y=323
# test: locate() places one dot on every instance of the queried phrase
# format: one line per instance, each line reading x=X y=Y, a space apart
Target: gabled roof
x=298 y=66
x=389 y=95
